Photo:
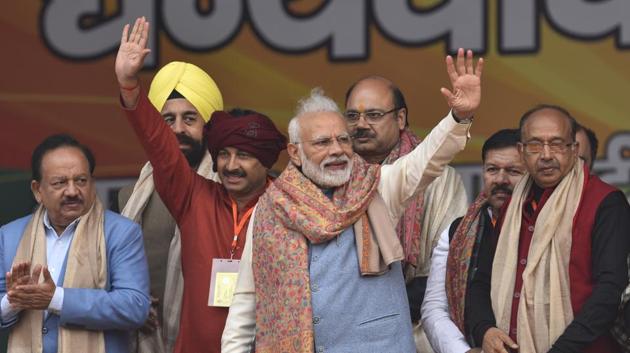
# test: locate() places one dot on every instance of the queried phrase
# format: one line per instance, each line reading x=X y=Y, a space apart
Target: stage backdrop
x=58 y=57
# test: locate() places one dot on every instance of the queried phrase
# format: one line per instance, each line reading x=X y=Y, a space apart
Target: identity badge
x=223 y=282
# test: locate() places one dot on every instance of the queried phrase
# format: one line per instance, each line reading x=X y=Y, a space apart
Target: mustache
x=236 y=172
x=548 y=164
x=186 y=140
x=195 y=153
x=363 y=133
x=501 y=188
x=69 y=200
x=329 y=160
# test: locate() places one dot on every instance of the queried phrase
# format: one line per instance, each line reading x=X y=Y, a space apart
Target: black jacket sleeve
x=610 y=247
x=479 y=316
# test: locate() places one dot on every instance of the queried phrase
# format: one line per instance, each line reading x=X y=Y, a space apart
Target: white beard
x=320 y=176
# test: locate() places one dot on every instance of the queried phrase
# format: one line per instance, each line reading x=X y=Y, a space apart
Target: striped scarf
x=459 y=260
x=410 y=224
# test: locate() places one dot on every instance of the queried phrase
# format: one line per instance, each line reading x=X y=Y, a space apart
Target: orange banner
x=58 y=60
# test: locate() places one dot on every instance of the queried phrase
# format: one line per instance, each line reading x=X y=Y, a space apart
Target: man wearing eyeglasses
x=560 y=256
x=454 y=259
x=321 y=270
x=376 y=114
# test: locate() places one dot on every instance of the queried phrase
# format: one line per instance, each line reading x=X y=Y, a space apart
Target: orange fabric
x=238 y=226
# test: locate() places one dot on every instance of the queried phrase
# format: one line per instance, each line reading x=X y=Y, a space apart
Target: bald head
x=382 y=83
x=382 y=114
x=553 y=110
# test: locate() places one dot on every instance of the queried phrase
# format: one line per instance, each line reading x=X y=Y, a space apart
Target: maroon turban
x=253 y=133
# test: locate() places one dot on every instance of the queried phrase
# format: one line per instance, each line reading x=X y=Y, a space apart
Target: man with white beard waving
x=321 y=271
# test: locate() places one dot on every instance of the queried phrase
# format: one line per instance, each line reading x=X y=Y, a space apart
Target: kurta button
x=316 y=320
x=320 y=349
x=315 y=287
x=523 y=262
x=315 y=257
x=44 y=330
x=530 y=228
x=517 y=295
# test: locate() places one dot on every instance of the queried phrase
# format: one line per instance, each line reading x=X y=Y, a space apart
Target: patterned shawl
x=293 y=213
x=459 y=259
x=410 y=224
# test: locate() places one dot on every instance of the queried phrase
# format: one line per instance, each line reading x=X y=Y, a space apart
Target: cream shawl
x=161 y=341
x=544 y=310
x=86 y=267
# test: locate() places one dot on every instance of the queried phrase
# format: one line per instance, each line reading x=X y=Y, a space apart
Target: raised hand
x=465 y=94
x=131 y=53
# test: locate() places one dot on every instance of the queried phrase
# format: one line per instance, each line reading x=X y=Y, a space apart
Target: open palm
x=131 y=53
x=465 y=95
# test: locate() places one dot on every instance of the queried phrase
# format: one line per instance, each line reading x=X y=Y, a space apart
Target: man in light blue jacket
x=73 y=276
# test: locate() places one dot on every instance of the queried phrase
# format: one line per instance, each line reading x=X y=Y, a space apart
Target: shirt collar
x=70 y=228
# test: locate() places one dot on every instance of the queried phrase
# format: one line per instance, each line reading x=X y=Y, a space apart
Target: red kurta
x=202 y=210
x=580 y=265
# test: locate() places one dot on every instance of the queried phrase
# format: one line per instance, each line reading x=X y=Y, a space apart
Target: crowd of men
x=365 y=242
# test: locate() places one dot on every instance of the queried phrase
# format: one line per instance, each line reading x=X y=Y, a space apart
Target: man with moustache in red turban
x=212 y=217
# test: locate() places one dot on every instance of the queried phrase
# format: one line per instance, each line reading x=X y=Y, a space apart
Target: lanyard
x=238 y=226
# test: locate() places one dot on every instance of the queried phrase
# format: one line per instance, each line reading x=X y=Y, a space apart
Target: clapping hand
x=24 y=290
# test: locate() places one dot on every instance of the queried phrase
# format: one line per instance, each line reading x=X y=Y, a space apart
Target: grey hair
x=316 y=102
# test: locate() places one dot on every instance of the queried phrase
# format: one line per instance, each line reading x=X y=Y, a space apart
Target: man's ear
x=35 y=190
x=576 y=148
x=401 y=118
x=294 y=154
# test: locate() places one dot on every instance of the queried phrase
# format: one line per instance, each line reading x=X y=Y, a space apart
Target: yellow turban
x=191 y=82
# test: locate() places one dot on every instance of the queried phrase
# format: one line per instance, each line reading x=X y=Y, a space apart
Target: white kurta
x=444 y=335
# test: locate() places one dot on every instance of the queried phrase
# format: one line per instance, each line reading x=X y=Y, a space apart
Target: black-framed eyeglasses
x=322 y=143
x=536 y=147
x=372 y=116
